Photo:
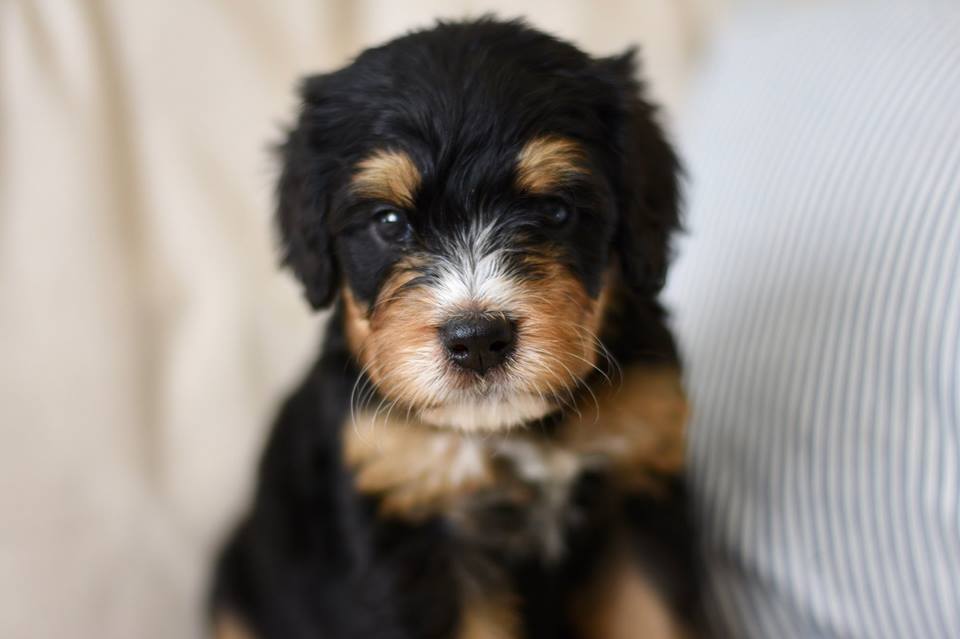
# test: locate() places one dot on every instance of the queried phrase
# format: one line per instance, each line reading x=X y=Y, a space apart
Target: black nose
x=477 y=342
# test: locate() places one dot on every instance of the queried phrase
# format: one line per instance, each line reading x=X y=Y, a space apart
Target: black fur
x=312 y=558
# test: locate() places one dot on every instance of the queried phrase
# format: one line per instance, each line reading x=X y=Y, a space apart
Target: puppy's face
x=469 y=190
x=476 y=300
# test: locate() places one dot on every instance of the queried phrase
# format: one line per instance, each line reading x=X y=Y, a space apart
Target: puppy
x=490 y=444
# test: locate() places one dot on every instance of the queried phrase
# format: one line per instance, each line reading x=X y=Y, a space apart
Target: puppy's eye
x=559 y=215
x=392 y=226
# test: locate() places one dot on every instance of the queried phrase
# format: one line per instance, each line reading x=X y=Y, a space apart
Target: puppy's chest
x=516 y=495
x=524 y=491
x=532 y=502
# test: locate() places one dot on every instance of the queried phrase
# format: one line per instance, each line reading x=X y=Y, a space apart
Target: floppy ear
x=648 y=191
x=304 y=193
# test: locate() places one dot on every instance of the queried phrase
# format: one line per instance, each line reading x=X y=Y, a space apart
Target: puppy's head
x=472 y=191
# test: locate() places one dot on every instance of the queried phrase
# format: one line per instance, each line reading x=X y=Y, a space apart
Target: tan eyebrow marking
x=548 y=162
x=387 y=175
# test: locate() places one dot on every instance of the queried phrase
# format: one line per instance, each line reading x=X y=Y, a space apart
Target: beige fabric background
x=145 y=333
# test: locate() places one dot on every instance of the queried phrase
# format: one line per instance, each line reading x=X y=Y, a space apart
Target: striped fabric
x=817 y=297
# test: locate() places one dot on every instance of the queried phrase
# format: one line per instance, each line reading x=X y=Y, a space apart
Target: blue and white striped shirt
x=817 y=297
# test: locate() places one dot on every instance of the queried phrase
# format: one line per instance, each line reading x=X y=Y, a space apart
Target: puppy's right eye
x=559 y=215
x=392 y=226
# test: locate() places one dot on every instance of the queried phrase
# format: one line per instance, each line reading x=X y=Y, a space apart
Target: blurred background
x=146 y=334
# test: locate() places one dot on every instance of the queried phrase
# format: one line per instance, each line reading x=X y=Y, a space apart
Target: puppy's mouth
x=492 y=412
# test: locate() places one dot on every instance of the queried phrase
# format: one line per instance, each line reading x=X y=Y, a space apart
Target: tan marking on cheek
x=228 y=626
x=622 y=604
x=494 y=618
x=549 y=162
x=395 y=337
x=557 y=336
x=388 y=175
x=641 y=426
x=416 y=471
x=355 y=323
x=402 y=350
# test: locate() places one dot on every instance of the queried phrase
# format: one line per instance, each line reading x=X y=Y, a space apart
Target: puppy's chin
x=489 y=414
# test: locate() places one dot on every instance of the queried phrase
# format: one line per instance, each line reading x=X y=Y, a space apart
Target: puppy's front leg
x=228 y=626
x=623 y=604
x=489 y=618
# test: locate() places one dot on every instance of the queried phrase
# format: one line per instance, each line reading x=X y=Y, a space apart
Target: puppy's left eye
x=392 y=226
x=558 y=215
